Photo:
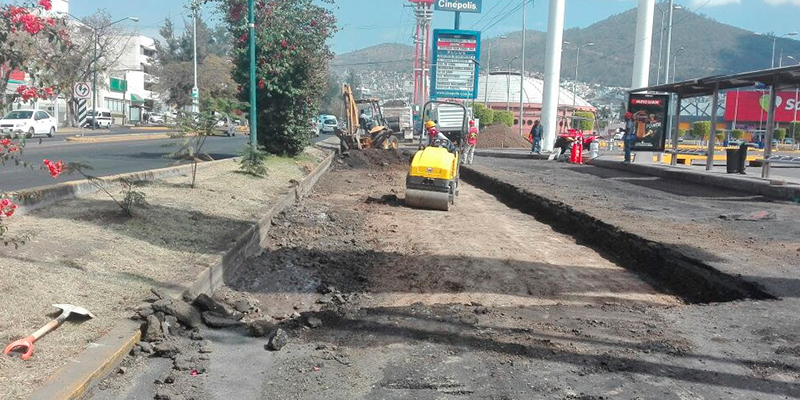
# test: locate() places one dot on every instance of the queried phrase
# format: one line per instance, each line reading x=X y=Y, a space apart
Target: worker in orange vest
x=472 y=142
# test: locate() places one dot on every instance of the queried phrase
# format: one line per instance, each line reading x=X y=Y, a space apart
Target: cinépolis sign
x=470 y=6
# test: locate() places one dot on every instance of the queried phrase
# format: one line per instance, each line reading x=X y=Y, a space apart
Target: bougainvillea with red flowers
x=292 y=58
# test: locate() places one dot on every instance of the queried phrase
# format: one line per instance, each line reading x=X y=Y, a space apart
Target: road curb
x=92 y=365
x=507 y=154
x=43 y=196
x=751 y=185
x=118 y=138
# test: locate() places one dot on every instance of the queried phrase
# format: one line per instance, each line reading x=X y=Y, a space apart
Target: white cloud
x=782 y=2
x=713 y=3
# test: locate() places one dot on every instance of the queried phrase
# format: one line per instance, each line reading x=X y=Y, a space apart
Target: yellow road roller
x=432 y=180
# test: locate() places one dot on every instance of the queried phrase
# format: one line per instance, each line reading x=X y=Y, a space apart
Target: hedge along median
x=86 y=252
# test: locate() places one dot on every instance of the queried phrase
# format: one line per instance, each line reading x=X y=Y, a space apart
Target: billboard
x=752 y=105
x=470 y=6
x=650 y=121
x=456 y=55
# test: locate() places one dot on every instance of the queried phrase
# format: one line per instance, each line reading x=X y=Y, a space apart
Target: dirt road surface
x=380 y=301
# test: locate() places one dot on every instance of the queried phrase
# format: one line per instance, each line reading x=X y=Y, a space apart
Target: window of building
x=516 y=121
x=147 y=52
x=115 y=105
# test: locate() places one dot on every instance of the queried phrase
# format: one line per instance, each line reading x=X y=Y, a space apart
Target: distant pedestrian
x=536 y=137
x=472 y=142
x=630 y=136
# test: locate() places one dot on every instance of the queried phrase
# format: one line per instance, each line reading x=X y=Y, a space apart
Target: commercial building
x=500 y=91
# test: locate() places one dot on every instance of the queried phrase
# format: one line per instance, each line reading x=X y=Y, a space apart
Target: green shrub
x=504 y=117
x=484 y=114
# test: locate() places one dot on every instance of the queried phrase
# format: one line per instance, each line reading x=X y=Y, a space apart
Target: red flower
x=7 y=207
x=284 y=43
x=55 y=168
x=261 y=84
x=5 y=142
x=46 y=4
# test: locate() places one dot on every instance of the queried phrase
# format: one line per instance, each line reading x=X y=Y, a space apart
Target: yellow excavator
x=365 y=125
x=433 y=178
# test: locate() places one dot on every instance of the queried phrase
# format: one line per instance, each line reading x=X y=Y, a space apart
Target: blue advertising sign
x=456 y=56
x=469 y=6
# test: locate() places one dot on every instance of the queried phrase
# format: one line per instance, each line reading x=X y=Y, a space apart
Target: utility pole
x=251 y=23
x=522 y=75
x=195 y=89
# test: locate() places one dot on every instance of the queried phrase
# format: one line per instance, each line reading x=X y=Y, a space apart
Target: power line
x=499 y=15
x=508 y=14
x=485 y=15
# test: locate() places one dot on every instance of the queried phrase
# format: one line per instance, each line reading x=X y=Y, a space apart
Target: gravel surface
x=84 y=252
x=384 y=302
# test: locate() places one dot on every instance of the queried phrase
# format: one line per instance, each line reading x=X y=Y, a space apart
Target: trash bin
x=742 y=158
x=733 y=160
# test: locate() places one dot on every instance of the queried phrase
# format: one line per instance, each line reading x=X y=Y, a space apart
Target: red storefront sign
x=752 y=105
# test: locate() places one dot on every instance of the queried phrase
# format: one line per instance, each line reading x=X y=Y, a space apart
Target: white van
x=104 y=118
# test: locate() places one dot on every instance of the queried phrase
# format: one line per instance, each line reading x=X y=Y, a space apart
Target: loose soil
x=501 y=137
x=84 y=252
x=481 y=302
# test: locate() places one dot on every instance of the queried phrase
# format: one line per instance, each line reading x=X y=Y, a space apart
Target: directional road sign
x=456 y=57
x=82 y=90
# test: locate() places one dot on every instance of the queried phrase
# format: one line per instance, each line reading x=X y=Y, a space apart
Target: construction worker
x=630 y=136
x=536 y=137
x=472 y=142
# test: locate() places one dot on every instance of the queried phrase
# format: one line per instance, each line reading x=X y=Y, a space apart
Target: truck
x=400 y=118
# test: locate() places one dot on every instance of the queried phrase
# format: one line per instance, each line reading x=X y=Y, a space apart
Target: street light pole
x=675 y=63
x=660 y=42
x=508 y=83
x=253 y=120
x=96 y=40
x=672 y=8
x=488 y=71
x=774 y=42
x=577 y=66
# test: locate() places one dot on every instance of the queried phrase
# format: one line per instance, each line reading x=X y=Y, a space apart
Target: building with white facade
x=128 y=88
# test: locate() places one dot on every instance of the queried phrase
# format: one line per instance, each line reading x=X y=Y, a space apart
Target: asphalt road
x=106 y=158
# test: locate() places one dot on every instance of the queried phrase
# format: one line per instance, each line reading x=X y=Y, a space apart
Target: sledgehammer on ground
x=25 y=346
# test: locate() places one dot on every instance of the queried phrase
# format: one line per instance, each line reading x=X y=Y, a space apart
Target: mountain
x=389 y=57
x=710 y=48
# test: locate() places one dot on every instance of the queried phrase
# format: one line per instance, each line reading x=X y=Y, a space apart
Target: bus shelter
x=775 y=79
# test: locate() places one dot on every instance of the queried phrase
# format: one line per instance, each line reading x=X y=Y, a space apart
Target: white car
x=156 y=118
x=328 y=124
x=28 y=123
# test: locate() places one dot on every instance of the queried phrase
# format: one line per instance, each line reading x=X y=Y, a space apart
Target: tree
x=81 y=62
x=355 y=82
x=780 y=134
x=504 y=117
x=291 y=66
x=701 y=129
x=175 y=64
x=332 y=99
x=484 y=114
x=29 y=43
x=586 y=121
x=794 y=130
x=737 y=134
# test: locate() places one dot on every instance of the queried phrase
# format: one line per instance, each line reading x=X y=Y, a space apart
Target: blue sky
x=369 y=22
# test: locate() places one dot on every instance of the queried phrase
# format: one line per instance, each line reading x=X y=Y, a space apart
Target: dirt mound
x=501 y=137
x=371 y=158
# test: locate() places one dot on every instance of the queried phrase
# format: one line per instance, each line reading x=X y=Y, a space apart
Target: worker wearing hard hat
x=433 y=133
x=472 y=142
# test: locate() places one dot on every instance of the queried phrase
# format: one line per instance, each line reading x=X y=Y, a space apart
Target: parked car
x=328 y=124
x=28 y=123
x=104 y=118
x=156 y=118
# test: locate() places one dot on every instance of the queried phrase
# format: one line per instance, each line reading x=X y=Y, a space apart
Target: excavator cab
x=365 y=125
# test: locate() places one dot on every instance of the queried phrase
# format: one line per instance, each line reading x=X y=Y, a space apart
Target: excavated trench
x=661 y=266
